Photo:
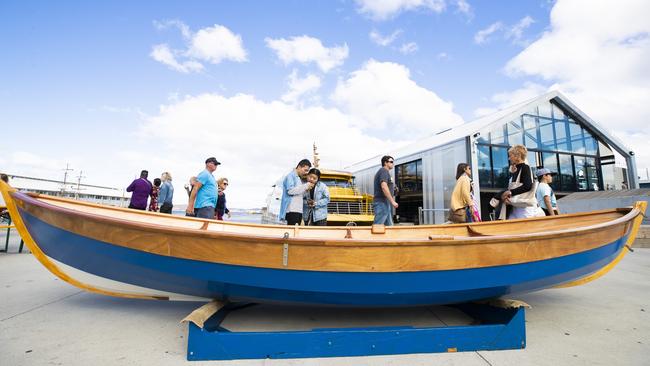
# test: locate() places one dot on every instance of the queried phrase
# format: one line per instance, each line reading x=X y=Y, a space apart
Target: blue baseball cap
x=544 y=171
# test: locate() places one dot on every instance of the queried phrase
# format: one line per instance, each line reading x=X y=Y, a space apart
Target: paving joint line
x=42 y=305
x=484 y=359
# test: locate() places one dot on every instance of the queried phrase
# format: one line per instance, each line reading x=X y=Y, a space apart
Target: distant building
x=557 y=134
x=83 y=192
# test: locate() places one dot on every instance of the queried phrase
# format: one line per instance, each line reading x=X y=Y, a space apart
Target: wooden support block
x=378 y=229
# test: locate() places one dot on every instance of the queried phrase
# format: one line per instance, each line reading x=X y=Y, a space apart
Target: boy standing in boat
x=203 y=198
x=384 y=201
x=292 y=192
x=545 y=195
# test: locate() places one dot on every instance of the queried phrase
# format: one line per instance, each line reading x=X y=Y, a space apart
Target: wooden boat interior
x=398 y=233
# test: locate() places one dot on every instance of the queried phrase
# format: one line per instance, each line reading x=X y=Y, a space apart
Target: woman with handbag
x=461 y=198
x=522 y=187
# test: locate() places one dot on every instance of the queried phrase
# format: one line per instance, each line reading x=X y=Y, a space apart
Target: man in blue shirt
x=203 y=198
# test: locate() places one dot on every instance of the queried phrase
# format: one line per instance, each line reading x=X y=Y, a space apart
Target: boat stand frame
x=496 y=329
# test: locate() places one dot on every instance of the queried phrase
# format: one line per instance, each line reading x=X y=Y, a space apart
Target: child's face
x=312 y=178
x=223 y=185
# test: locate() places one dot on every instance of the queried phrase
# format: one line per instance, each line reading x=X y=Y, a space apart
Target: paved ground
x=44 y=321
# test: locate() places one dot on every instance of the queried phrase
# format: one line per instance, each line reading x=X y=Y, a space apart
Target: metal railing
x=421 y=212
x=349 y=208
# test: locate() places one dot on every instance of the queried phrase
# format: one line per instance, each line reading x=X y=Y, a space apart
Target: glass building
x=557 y=134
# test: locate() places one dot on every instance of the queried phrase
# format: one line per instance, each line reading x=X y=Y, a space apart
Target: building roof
x=485 y=122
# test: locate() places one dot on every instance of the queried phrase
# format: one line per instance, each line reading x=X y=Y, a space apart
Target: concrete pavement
x=44 y=321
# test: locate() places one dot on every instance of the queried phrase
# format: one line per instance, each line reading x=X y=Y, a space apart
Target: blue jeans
x=206 y=212
x=383 y=213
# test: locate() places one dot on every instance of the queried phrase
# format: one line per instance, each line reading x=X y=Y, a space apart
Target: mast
x=65 y=177
x=316 y=158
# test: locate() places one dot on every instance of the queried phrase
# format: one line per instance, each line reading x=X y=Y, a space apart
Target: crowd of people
x=207 y=198
x=523 y=197
x=305 y=197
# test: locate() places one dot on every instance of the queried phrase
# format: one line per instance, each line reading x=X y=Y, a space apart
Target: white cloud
x=382 y=97
x=515 y=33
x=257 y=142
x=300 y=86
x=211 y=44
x=163 y=54
x=215 y=44
x=443 y=56
x=377 y=38
x=597 y=53
x=162 y=25
x=464 y=8
x=385 y=9
x=305 y=49
x=408 y=48
x=482 y=36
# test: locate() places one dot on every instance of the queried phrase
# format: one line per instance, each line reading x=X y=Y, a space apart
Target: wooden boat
x=130 y=253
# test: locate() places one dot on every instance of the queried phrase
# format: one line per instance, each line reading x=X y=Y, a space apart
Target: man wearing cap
x=203 y=198
x=545 y=195
x=141 y=189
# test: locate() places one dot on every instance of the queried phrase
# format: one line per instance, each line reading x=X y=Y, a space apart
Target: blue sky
x=256 y=82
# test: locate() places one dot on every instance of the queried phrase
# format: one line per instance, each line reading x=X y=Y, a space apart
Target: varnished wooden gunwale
x=337 y=254
x=510 y=229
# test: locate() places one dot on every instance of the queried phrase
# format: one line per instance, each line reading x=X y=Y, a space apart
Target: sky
x=112 y=88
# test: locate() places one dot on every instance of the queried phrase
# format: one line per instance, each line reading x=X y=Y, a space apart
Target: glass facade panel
x=545 y=110
x=567 y=179
x=530 y=131
x=418 y=169
x=409 y=195
x=581 y=174
x=557 y=112
x=546 y=134
x=407 y=177
x=561 y=135
x=497 y=136
x=500 y=166
x=577 y=142
x=515 y=133
x=532 y=160
x=484 y=166
x=592 y=174
x=591 y=144
x=550 y=163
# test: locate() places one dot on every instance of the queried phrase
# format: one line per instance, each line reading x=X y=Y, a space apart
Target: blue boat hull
x=243 y=283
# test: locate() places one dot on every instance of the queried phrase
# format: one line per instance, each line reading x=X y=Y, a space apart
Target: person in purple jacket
x=141 y=189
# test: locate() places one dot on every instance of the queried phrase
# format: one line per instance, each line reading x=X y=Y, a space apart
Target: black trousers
x=166 y=208
x=548 y=213
x=293 y=218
